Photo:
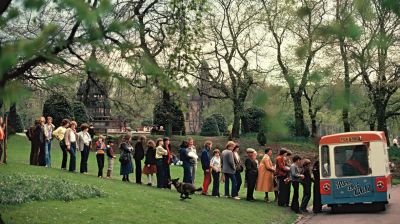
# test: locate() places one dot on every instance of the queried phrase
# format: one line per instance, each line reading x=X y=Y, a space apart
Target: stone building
x=197 y=102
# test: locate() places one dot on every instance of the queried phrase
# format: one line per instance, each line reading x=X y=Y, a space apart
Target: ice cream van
x=354 y=169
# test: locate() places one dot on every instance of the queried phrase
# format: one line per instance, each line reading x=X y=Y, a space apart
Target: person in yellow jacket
x=59 y=134
x=265 y=179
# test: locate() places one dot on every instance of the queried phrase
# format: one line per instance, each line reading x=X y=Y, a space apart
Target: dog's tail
x=199 y=189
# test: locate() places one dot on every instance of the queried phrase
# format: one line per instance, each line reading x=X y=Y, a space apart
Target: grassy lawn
x=122 y=202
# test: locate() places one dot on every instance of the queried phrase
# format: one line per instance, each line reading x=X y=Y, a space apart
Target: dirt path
x=391 y=215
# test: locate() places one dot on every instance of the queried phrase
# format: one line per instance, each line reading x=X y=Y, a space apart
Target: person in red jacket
x=282 y=172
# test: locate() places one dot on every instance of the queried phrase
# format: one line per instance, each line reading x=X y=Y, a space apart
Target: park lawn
x=123 y=202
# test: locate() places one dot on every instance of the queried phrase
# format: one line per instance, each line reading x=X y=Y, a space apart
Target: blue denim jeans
x=72 y=159
x=47 y=154
x=160 y=173
x=234 y=191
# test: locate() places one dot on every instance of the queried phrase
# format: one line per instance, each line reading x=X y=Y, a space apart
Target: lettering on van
x=351 y=139
x=353 y=187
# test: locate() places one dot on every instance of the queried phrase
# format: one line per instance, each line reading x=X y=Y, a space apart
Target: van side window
x=325 y=161
x=351 y=160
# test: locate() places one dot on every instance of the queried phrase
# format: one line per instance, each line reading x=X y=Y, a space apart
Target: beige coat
x=265 y=179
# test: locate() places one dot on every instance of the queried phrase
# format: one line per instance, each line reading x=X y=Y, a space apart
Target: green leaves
x=364 y=8
x=302 y=51
x=34 y=4
x=13 y=92
x=303 y=12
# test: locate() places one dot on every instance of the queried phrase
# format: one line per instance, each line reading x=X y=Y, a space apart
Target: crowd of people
x=226 y=166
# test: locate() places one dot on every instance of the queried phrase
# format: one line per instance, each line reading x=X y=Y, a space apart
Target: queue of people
x=226 y=166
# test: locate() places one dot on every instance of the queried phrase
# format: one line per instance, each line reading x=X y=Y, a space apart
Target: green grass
x=123 y=202
x=28 y=188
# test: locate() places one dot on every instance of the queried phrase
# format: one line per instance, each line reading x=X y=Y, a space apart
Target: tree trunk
x=167 y=104
x=380 y=110
x=300 y=127
x=347 y=84
x=238 y=108
x=12 y=118
x=314 y=127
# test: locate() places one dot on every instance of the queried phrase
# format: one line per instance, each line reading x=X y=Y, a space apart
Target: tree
x=220 y=119
x=210 y=127
x=252 y=120
x=80 y=114
x=162 y=114
x=57 y=107
x=295 y=30
x=50 y=38
x=317 y=95
x=376 y=58
x=232 y=31
x=162 y=44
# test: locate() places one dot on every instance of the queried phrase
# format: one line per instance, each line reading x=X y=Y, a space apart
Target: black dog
x=184 y=188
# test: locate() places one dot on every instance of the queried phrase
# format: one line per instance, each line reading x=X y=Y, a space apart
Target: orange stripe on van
x=352 y=137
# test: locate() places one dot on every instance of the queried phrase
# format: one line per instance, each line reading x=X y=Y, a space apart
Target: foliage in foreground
x=20 y=188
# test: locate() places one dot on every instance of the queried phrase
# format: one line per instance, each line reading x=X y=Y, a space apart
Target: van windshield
x=351 y=160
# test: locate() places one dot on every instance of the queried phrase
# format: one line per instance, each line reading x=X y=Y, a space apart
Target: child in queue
x=215 y=165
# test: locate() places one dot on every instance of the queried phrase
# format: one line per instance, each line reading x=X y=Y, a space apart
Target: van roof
x=352 y=137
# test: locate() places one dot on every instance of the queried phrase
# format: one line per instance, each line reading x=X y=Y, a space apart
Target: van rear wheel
x=379 y=206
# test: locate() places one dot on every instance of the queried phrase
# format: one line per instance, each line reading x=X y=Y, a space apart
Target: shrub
x=394 y=153
x=210 y=127
x=147 y=122
x=252 y=119
x=221 y=122
x=261 y=138
x=57 y=107
x=291 y=125
x=21 y=188
x=80 y=113
x=161 y=113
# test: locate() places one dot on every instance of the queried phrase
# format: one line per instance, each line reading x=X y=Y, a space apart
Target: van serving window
x=325 y=161
x=351 y=160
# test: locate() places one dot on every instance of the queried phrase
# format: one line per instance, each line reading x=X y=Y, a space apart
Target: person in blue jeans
x=48 y=132
x=70 y=141
x=229 y=170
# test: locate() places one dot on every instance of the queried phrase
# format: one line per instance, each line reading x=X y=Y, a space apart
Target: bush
x=252 y=120
x=80 y=113
x=221 y=122
x=394 y=153
x=147 y=122
x=210 y=127
x=261 y=138
x=161 y=113
x=291 y=125
x=21 y=188
x=57 y=107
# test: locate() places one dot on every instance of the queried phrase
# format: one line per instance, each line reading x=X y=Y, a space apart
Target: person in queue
x=59 y=134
